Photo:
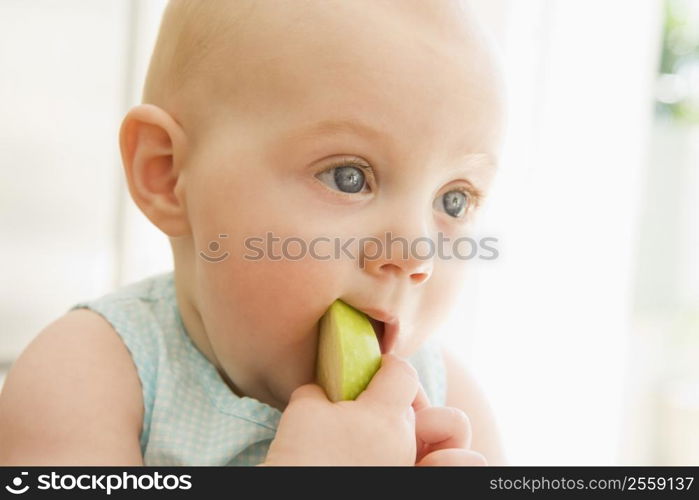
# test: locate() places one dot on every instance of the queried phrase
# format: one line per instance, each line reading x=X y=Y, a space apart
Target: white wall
x=68 y=231
x=546 y=327
x=62 y=95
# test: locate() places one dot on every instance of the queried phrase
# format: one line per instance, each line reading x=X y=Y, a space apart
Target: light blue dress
x=191 y=417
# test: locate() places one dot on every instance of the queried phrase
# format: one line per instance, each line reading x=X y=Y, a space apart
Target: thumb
x=395 y=385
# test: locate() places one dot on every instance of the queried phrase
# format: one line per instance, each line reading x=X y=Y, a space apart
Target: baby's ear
x=148 y=139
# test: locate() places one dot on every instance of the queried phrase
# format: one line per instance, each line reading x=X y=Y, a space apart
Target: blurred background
x=584 y=333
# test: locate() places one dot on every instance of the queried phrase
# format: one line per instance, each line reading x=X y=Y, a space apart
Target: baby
x=304 y=121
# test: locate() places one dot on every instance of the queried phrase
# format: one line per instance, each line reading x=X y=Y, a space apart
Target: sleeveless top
x=191 y=417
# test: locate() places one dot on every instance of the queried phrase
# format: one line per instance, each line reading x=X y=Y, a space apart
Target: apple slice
x=348 y=352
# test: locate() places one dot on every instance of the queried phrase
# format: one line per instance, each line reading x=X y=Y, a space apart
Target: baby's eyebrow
x=477 y=161
x=351 y=125
x=467 y=159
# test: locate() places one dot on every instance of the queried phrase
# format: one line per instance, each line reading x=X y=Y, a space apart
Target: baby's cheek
x=443 y=292
x=280 y=298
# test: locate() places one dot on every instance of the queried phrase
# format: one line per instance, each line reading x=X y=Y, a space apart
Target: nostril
x=418 y=278
x=390 y=268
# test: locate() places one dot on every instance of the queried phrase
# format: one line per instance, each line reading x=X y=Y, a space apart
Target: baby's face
x=285 y=155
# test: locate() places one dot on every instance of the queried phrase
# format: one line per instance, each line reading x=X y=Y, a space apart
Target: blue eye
x=455 y=203
x=344 y=178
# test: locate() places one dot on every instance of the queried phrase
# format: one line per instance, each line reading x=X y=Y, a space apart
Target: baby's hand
x=378 y=428
x=443 y=437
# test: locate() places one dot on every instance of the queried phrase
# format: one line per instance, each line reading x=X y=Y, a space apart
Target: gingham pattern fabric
x=191 y=417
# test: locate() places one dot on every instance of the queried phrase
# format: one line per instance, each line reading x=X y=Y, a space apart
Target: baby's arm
x=463 y=393
x=72 y=398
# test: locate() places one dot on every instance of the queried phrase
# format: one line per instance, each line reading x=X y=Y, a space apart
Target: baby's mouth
x=386 y=327
x=379 y=329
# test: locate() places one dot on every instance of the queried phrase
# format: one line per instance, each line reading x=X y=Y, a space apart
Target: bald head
x=193 y=37
x=224 y=52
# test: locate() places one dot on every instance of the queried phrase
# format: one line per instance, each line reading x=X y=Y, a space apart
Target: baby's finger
x=421 y=400
x=440 y=427
x=311 y=391
x=453 y=457
x=395 y=385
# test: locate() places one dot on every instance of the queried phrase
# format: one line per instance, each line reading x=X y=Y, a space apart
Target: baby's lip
x=386 y=326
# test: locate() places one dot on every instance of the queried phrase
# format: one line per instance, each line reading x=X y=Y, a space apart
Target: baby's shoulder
x=72 y=397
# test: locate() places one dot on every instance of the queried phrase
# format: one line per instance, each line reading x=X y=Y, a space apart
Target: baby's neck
x=196 y=331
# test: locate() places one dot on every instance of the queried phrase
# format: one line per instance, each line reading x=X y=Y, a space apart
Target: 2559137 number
x=659 y=483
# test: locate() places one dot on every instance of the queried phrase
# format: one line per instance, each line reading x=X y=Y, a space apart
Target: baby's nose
x=398 y=257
